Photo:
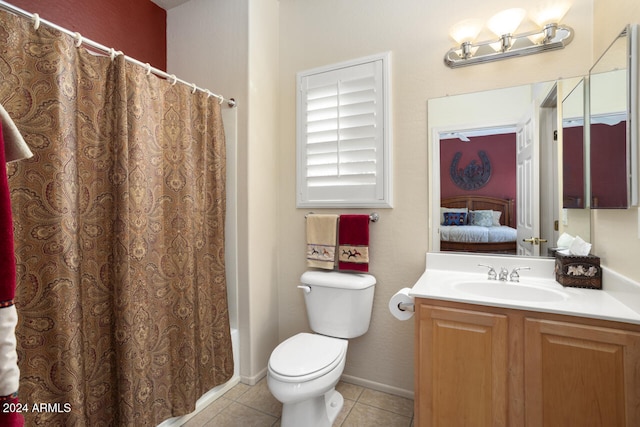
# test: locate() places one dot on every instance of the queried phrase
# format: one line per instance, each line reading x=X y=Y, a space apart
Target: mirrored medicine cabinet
x=613 y=124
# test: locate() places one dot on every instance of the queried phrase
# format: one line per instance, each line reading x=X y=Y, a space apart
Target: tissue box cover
x=578 y=271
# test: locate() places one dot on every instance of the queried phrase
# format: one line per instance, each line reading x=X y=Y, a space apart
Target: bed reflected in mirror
x=488 y=225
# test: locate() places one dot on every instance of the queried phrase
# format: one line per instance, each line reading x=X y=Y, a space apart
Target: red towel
x=11 y=414
x=11 y=417
x=7 y=256
x=353 y=243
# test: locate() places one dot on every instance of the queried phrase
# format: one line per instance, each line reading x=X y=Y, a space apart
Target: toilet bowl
x=302 y=374
x=303 y=370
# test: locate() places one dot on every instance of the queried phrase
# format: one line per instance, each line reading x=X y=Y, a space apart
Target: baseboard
x=378 y=386
x=254 y=379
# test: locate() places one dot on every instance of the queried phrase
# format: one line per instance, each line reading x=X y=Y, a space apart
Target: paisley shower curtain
x=119 y=235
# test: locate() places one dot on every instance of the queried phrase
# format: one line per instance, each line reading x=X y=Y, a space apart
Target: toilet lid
x=305 y=354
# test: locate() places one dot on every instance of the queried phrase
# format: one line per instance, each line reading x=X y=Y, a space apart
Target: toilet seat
x=305 y=356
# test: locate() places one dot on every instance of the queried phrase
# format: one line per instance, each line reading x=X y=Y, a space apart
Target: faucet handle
x=492 y=275
x=515 y=277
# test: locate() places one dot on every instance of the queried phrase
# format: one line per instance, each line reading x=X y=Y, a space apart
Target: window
x=344 y=135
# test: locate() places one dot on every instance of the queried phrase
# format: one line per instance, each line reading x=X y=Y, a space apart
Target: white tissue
x=402 y=296
x=579 y=247
x=565 y=240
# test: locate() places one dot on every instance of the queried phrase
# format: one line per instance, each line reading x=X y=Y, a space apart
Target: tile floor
x=254 y=406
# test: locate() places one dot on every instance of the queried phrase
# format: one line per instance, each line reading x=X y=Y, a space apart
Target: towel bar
x=373 y=217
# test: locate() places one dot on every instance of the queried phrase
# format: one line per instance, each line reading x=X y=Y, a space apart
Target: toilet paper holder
x=405 y=306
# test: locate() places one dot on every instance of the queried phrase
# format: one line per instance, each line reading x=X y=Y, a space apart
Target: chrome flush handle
x=305 y=288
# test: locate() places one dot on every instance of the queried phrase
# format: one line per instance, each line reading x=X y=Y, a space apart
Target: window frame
x=383 y=186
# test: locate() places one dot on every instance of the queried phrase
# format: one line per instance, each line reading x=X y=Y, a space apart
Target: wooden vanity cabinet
x=463 y=367
x=490 y=366
x=581 y=375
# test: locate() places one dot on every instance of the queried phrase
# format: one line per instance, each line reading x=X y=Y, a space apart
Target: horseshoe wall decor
x=473 y=176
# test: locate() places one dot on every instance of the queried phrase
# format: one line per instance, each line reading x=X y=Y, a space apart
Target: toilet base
x=319 y=411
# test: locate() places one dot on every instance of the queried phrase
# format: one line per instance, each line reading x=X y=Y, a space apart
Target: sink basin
x=509 y=291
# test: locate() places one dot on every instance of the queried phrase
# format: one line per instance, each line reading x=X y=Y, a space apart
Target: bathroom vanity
x=497 y=353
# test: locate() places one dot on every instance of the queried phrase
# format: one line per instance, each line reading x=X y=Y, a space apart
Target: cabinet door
x=461 y=367
x=577 y=375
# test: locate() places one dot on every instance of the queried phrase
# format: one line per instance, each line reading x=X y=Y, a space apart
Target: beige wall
x=315 y=33
x=263 y=194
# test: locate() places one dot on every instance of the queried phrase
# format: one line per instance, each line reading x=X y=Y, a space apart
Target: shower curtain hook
x=193 y=88
x=209 y=93
x=174 y=79
x=220 y=99
x=36 y=21
x=78 y=38
x=148 y=68
x=112 y=53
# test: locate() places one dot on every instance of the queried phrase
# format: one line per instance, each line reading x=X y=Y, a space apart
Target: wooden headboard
x=476 y=203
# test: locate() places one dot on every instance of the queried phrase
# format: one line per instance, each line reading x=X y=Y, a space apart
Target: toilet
x=305 y=368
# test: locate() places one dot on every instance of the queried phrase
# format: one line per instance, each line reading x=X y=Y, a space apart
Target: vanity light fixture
x=550 y=35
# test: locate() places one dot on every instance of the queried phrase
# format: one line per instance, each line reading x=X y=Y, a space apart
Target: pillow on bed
x=445 y=210
x=454 y=218
x=481 y=218
x=496 y=218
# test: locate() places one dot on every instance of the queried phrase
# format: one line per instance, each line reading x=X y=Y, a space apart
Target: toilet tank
x=338 y=304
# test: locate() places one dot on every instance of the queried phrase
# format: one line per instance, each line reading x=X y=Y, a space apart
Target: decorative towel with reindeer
x=321 y=241
x=353 y=243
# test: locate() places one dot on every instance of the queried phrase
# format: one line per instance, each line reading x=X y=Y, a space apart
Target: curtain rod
x=37 y=21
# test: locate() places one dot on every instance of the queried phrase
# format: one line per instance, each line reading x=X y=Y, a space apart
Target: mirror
x=473 y=140
x=573 y=148
x=613 y=128
x=575 y=217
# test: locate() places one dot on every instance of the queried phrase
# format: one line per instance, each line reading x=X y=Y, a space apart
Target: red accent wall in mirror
x=501 y=150
x=136 y=27
x=609 y=165
x=573 y=167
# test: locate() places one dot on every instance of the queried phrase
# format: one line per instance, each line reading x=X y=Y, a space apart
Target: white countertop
x=619 y=300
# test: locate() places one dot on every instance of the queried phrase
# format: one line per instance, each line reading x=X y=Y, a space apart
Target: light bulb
x=507 y=21
x=549 y=13
x=466 y=31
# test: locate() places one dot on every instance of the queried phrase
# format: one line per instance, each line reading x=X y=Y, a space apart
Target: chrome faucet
x=504 y=273
x=492 y=272
x=515 y=277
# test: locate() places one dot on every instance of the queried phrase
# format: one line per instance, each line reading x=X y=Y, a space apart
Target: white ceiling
x=168 y=4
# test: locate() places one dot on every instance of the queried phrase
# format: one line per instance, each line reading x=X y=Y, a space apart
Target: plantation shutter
x=343 y=150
